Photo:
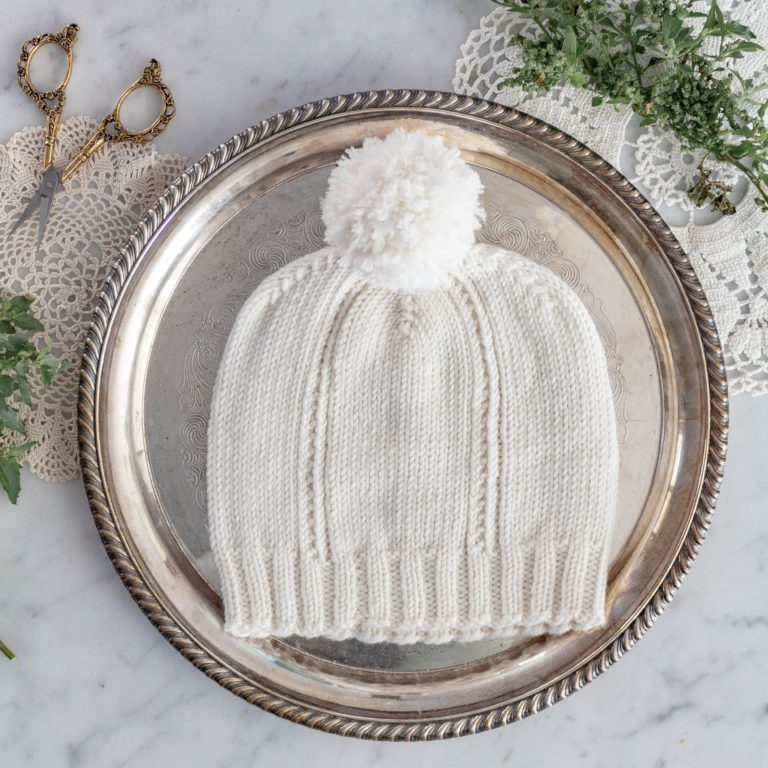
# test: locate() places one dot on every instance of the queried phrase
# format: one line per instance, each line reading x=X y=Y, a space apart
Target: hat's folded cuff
x=382 y=596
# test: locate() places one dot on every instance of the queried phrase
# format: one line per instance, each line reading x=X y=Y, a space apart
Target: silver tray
x=250 y=206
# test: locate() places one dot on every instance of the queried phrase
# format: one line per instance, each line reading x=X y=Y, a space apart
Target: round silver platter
x=249 y=207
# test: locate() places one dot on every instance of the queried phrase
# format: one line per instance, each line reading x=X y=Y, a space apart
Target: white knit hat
x=412 y=436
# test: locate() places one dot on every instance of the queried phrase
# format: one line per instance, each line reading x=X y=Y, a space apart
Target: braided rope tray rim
x=138 y=585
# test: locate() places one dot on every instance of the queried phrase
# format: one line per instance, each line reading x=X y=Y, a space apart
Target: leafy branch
x=674 y=66
x=23 y=368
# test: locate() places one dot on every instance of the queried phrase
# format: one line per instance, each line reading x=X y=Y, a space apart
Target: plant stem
x=543 y=29
x=635 y=62
x=749 y=173
x=6 y=651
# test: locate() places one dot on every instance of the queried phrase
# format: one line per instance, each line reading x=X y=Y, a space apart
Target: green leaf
x=671 y=26
x=597 y=101
x=736 y=29
x=49 y=368
x=10 y=477
x=685 y=39
x=10 y=419
x=570 y=46
x=578 y=79
x=25 y=391
x=567 y=20
x=7 y=385
x=737 y=49
x=28 y=322
x=19 y=449
x=21 y=303
x=18 y=340
x=718 y=20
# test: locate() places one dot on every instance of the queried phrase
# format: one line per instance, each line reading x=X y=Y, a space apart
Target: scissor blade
x=47 y=190
x=32 y=206
x=42 y=199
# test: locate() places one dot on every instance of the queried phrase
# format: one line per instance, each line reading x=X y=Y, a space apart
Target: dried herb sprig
x=674 y=66
x=23 y=368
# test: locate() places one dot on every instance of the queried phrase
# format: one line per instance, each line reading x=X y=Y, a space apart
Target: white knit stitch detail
x=453 y=482
x=382 y=596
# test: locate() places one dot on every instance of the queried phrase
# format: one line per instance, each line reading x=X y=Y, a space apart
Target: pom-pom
x=403 y=210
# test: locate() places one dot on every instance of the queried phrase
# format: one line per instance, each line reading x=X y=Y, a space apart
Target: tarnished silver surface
x=252 y=205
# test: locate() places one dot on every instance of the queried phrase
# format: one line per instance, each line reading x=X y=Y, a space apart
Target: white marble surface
x=95 y=686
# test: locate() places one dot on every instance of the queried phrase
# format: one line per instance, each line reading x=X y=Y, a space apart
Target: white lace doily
x=92 y=216
x=729 y=253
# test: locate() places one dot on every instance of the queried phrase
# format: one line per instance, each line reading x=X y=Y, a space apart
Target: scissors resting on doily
x=109 y=129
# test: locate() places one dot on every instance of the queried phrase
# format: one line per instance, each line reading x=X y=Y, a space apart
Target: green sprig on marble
x=673 y=65
x=24 y=368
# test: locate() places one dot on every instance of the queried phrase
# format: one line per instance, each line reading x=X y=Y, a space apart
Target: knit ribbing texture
x=412 y=467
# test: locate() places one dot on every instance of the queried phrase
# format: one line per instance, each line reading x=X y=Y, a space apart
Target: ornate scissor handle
x=112 y=129
x=50 y=102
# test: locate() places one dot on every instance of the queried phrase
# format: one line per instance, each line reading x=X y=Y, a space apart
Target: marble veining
x=95 y=686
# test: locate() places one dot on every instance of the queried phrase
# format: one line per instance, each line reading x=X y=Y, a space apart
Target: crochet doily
x=730 y=253
x=92 y=216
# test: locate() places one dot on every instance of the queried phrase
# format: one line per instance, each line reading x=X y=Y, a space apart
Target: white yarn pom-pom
x=403 y=210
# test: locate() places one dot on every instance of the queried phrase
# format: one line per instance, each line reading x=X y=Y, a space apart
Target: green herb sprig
x=674 y=66
x=23 y=368
x=20 y=358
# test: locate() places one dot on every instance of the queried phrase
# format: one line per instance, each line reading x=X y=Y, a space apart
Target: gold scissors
x=109 y=129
